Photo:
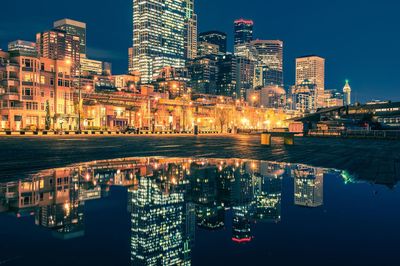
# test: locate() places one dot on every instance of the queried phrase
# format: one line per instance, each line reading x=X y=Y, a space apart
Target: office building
x=312 y=69
x=59 y=45
x=243 y=31
x=205 y=49
x=244 y=76
x=159 y=222
x=268 y=55
x=304 y=97
x=308 y=186
x=203 y=73
x=158 y=36
x=91 y=67
x=74 y=28
x=226 y=78
x=190 y=31
x=215 y=37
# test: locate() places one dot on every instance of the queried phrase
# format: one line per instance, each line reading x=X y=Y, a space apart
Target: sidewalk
x=100 y=132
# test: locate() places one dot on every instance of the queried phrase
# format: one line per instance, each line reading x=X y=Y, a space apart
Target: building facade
x=57 y=44
x=215 y=37
x=158 y=36
x=312 y=69
x=190 y=30
x=74 y=28
x=37 y=94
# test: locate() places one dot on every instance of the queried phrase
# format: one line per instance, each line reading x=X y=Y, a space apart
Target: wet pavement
x=377 y=160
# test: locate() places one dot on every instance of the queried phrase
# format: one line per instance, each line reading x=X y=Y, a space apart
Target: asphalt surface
x=368 y=159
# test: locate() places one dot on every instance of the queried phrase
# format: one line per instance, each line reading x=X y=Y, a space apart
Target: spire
x=347 y=93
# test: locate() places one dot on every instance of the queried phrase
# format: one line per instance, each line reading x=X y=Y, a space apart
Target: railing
x=376 y=134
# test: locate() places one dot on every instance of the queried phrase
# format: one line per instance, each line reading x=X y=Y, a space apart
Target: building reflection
x=167 y=199
x=308 y=186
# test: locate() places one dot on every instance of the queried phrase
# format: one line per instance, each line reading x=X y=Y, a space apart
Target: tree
x=222 y=116
x=48 y=118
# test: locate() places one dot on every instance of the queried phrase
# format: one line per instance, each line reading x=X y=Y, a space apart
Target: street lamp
x=78 y=67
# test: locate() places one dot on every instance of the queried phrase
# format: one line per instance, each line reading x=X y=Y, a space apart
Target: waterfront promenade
x=368 y=159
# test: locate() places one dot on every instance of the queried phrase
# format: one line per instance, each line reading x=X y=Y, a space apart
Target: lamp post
x=79 y=68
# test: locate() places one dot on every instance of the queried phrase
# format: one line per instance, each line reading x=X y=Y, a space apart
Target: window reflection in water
x=167 y=199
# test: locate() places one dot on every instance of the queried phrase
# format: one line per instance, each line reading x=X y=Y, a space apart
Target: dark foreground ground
x=368 y=159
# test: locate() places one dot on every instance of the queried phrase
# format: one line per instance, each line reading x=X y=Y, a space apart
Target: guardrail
x=375 y=134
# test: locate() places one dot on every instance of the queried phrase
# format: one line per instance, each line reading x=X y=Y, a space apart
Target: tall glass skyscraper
x=158 y=36
x=243 y=31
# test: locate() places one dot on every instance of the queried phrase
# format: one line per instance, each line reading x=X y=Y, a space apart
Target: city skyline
x=341 y=43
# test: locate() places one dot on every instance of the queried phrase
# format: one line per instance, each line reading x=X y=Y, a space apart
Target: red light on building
x=242 y=240
x=244 y=21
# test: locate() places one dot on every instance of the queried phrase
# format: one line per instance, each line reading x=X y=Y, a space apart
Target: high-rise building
x=159 y=223
x=190 y=31
x=243 y=31
x=226 y=78
x=215 y=37
x=308 y=186
x=203 y=74
x=74 y=28
x=130 y=60
x=244 y=76
x=312 y=69
x=57 y=44
x=347 y=93
x=269 y=57
x=158 y=36
x=205 y=49
x=304 y=97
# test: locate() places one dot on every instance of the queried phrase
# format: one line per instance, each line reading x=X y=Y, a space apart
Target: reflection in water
x=167 y=199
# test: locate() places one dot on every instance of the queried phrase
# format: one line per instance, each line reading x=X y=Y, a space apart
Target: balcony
x=27 y=83
x=27 y=69
x=27 y=97
x=11 y=96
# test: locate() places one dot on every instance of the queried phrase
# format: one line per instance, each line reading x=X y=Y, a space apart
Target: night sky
x=360 y=39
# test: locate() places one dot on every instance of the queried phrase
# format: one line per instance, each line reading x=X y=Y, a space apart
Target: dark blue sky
x=360 y=39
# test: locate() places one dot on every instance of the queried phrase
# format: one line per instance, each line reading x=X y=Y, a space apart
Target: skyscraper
x=308 y=186
x=75 y=28
x=57 y=44
x=215 y=37
x=159 y=222
x=347 y=93
x=190 y=31
x=226 y=78
x=243 y=31
x=158 y=36
x=269 y=57
x=312 y=70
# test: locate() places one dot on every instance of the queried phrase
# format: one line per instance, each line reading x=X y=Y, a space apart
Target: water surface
x=193 y=211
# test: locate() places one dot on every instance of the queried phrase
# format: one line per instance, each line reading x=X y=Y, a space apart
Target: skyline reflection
x=169 y=199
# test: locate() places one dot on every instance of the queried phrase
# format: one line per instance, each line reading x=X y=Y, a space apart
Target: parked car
x=129 y=129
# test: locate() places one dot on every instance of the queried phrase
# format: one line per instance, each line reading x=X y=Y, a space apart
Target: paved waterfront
x=369 y=159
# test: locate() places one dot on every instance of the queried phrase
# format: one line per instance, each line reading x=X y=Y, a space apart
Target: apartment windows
x=27 y=92
x=31 y=106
